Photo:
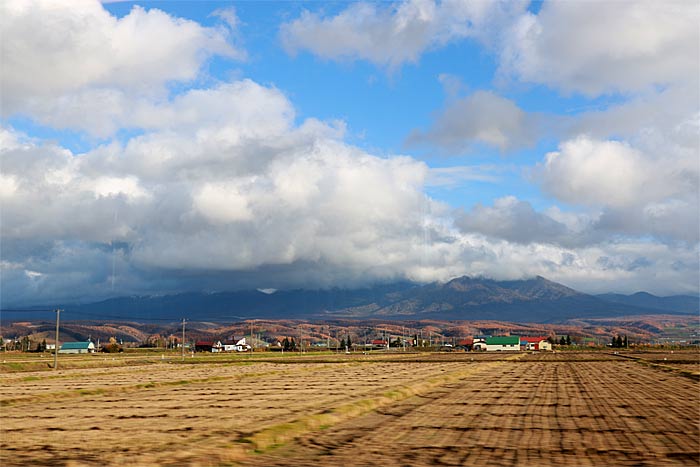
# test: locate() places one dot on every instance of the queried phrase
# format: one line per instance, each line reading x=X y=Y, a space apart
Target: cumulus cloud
x=586 y=47
x=586 y=171
x=604 y=47
x=98 y=63
x=481 y=118
x=239 y=189
x=315 y=212
x=513 y=220
x=294 y=204
x=639 y=194
x=393 y=35
x=612 y=173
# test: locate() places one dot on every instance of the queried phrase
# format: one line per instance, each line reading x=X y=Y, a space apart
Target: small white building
x=535 y=343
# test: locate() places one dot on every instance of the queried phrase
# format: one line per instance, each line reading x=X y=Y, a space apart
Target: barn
x=502 y=343
x=77 y=347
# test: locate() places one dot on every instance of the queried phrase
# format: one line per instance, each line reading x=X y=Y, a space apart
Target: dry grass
x=450 y=409
x=533 y=413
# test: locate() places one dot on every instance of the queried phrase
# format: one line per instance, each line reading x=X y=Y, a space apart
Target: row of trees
x=563 y=341
x=619 y=342
x=24 y=344
x=289 y=344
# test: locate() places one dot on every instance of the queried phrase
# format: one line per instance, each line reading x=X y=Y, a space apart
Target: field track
x=578 y=409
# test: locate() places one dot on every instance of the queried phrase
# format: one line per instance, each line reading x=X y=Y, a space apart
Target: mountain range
x=536 y=300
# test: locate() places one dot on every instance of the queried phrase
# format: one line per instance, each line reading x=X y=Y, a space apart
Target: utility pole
x=183 y=339
x=55 y=348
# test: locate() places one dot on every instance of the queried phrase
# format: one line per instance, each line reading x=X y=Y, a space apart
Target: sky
x=150 y=148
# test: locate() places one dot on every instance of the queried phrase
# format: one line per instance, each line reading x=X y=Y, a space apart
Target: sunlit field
x=577 y=408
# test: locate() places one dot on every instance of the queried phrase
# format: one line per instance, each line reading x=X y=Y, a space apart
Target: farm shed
x=77 y=347
x=500 y=343
x=203 y=346
x=466 y=344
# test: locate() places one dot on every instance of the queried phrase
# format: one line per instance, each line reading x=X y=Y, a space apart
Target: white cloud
x=225 y=198
x=481 y=118
x=638 y=193
x=222 y=203
x=116 y=186
x=612 y=173
x=604 y=47
x=231 y=177
x=8 y=186
x=393 y=35
x=295 y=208
x=97 y=63
x=586 y=171
x=588 y=47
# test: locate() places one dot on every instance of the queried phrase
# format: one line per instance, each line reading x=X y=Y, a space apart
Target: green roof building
x=501 y=343
x=77 y=347
x=503 y=340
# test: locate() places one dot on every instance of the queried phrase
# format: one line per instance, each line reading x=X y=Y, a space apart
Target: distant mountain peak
x=536 y=299
x=642 y=294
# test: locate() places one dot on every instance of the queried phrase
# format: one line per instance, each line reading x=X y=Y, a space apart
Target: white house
x=238 y=346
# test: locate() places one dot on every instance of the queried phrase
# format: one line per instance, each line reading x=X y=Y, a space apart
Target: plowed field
x=450 y=409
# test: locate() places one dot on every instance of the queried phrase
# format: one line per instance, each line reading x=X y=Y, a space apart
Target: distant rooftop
x=76 y=345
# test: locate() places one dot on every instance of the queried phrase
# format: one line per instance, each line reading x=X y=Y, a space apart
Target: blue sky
x=345 y=143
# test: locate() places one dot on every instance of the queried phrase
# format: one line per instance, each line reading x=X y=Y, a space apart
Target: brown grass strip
x=277 y=435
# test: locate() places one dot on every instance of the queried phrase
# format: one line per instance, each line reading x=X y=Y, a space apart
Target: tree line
x=619 y=342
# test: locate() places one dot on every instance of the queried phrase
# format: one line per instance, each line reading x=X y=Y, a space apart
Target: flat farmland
x=495 y=409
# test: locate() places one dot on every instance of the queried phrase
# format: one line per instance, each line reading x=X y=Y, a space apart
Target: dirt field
x=564 y=409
